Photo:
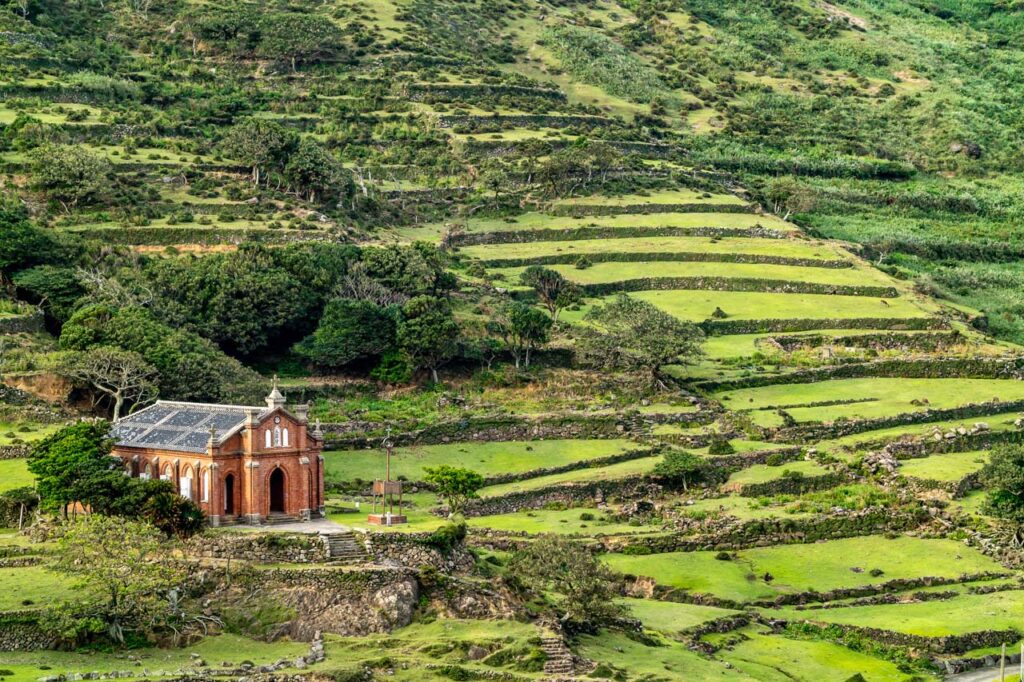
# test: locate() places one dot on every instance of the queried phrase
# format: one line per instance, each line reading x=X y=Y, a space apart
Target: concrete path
x=983 y=674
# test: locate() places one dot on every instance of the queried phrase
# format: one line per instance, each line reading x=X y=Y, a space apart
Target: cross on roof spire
x=275 y=398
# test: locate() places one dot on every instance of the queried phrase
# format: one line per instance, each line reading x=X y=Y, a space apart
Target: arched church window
x=284 y=437
x=267 y=436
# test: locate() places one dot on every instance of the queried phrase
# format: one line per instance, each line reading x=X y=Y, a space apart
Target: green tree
x=1003 y=476
x=190 y=367
x=69 y=174
x=680 y=466
x=126 y=574
x=22 y=244
x=554 y=291
x=57 y=289
x=455 y=484
x=298 y=38
x=68 y=464
x=428 y=333
x=171 y=513
x=584 y=588
x=523 y=328
x=631 y=334
x=349 y=331
x=119 y=376
x=261 y=144
x=314 y=172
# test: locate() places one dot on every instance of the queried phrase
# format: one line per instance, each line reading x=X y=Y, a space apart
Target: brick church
x=240 y=464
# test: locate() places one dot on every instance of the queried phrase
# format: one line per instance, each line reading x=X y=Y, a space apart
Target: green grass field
x=673 y=661
x=232 y=649
x=484 y=458
x=948 y=466
x=614 y=471
x=887 y=396
x=670 y=617
x=544 y=221
x=773 y=658
x=10 y=432
x=36 y=585
x=973 y=612
x=560 y=521
x=789 y=248
x=602 y=273
x=14 y=474
x=697 y=306
x=818 y=566
x=662 y=197
x=762 y=473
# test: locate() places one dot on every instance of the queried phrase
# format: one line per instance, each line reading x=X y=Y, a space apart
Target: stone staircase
x=277 y=518
x=343 y=548
x=559 y=664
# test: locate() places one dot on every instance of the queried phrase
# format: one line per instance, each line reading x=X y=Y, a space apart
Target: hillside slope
x=820 y=199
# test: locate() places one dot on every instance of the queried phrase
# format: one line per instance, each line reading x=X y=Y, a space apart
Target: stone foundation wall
x=259 y=547
x=20 y=631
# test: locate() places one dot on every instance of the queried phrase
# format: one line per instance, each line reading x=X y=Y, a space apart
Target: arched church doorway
x=277 y=491
x=229 y=494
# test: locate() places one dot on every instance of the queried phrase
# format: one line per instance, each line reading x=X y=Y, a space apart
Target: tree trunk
x=527 y=357
x=433 y=374
x=118 y=404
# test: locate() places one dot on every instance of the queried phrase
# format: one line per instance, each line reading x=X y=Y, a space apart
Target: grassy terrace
x=14 y=474
x=671 y=661
x=561 y=521
x=485 y=458
x=544 y=221
x=762 y=473
x=974 y=612
x=600 y=273
x=614 y=471
x=662 y=198
x=818 y=566
x=790 y=248
x=411 y=649
x=231 y=649
x=764 y=657
x=671 y=617
x=947 y=466
x=697 y=306
x=882 y=397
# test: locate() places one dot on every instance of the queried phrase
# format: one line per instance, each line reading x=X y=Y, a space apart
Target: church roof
x=180 y=426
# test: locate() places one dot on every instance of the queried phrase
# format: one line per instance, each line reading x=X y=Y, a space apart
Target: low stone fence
x=567 y=494
x=414 y=550
x=15 y=451
x=259 y=547
x=20 y=631
x=597 y=232
x=793 y=485
x=948 y=644
x=29 y=323
x=488 y=429
x=773 y=531
x=816 y=432
x=764 y=326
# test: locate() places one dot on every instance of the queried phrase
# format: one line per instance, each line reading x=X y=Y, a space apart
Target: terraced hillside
x=720 y=296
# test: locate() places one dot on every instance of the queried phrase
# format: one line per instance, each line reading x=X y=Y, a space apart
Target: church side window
x=267 y=437
x=277 y=436
x=284 y=437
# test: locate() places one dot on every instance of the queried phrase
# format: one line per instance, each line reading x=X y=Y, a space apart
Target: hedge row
x=814 y=432
x=776 y=286
x=927 y=341
x=729 y=327
x=168 y=236
x=659 y=256
x=840 y=167
x=525 y=120
x=579 y=233
x=645 y=209
x=920 y=368
x=471 y=91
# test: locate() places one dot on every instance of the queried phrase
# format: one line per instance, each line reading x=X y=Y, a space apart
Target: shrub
x=720 y=446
